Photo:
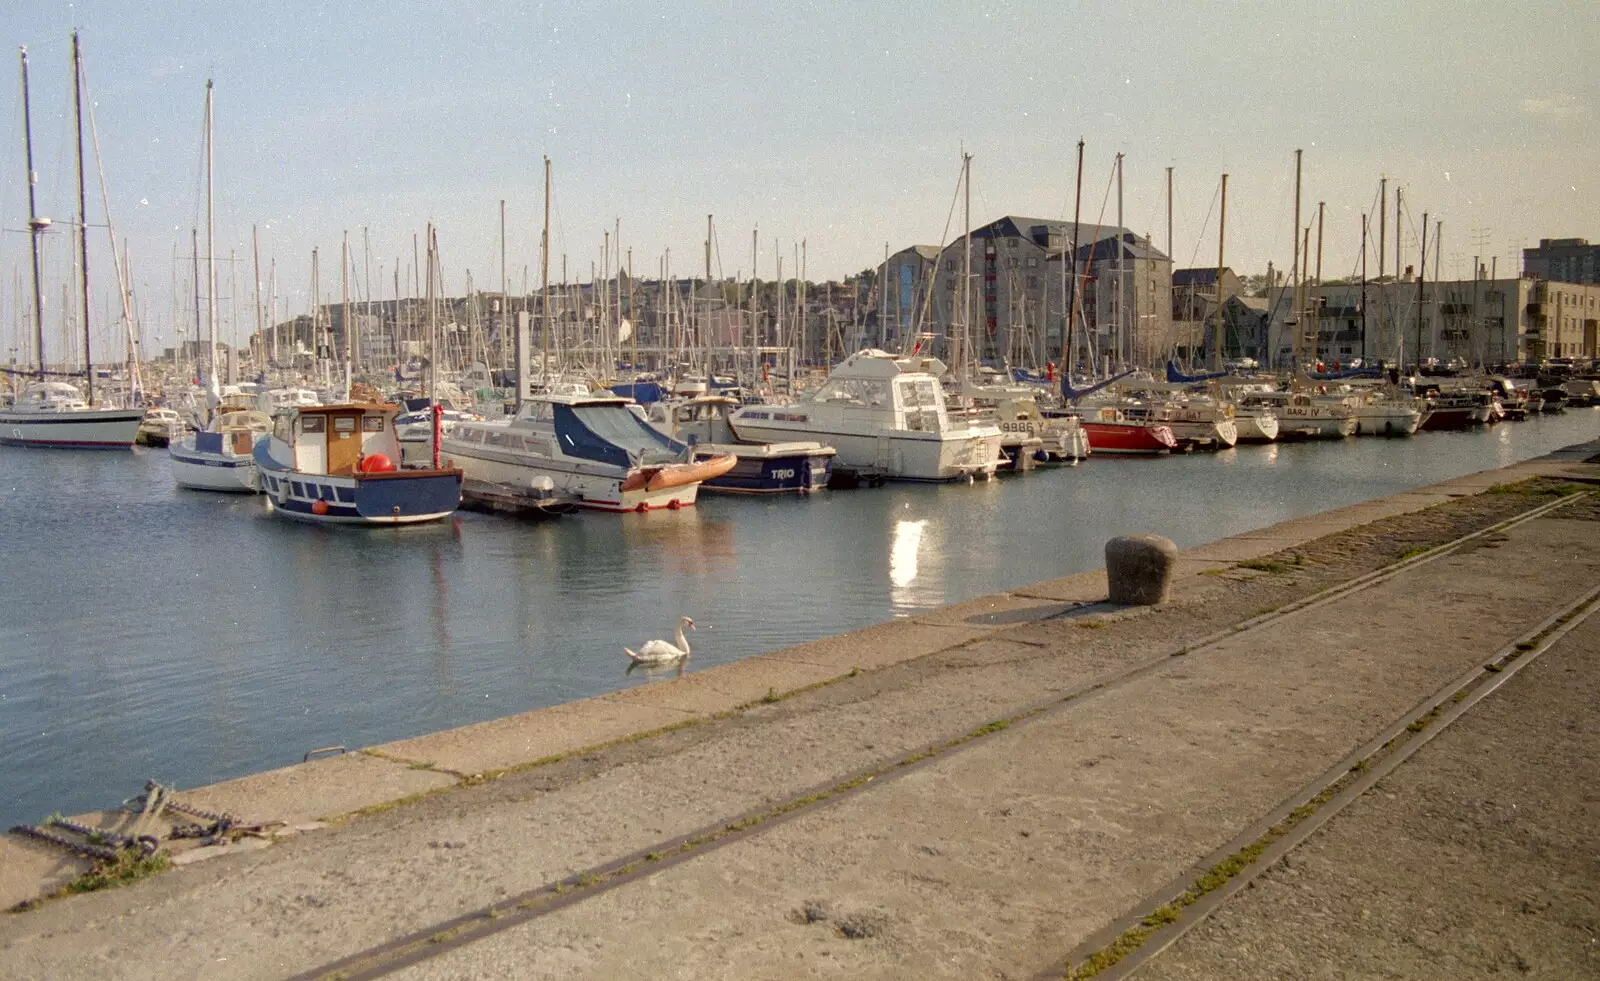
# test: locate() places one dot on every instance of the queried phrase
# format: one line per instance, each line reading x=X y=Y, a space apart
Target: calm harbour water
x=153 y=632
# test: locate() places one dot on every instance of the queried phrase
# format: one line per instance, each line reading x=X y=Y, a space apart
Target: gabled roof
x=1200 y=276
x=1065 y=232
x=1133 y=247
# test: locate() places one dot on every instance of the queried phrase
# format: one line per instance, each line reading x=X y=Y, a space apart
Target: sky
x=838 y=124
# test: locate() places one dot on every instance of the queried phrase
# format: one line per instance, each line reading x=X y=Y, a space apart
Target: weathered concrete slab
x=29 y=869
x=1082 y=587
x=724 y=687
x=319 y=789
x=519 y=739
x=878 y=646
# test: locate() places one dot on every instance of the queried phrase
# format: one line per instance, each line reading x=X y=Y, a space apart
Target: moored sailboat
x=56 y=414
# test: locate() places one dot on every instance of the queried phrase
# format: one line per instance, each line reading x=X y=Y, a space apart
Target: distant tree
x=1256 y=284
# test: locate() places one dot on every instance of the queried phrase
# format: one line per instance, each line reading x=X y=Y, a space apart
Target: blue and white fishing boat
x=338 y=465
x=221 y=457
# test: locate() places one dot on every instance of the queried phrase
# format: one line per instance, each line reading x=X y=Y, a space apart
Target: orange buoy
x=377 y=463
x=319 y=507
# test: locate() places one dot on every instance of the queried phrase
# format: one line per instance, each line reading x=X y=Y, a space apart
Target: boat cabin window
x=501 y=439
x=372 y=423
x=854 y=391
x=923 y=404
x=344 y=424
x=313 y=424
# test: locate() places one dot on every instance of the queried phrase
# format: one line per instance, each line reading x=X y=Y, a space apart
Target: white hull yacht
x=221 y=457
x=887 y=418
x=54 y=414
x=589 y=448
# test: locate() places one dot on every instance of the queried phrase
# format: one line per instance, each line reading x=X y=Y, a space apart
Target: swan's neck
x=683 y=642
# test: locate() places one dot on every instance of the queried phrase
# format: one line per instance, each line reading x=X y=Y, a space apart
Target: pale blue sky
x=838 y=123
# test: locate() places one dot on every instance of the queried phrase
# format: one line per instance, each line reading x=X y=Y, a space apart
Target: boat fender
x=673 y=504
x=641 y=507
x=283 y=491
x=319 y=508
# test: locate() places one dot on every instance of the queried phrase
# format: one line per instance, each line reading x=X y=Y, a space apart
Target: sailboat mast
x=255 y=273
x=1120 y=323
x=544 y=265
x=1383 y=223
x=966 y=265
x=1069 y=277
x=1294 y=267
x=344 y=311
x=215 y=392
x=1222 y=231
x=36 y=226
x=83 y=217
x=1422 y=277
x=1364 y=224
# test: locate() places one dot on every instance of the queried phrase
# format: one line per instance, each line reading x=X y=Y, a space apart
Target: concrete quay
x=982 y=791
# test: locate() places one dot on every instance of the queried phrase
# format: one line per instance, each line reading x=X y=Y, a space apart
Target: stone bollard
x=1139 y=569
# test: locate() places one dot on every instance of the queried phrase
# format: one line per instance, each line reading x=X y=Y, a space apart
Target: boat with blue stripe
x=338 y=467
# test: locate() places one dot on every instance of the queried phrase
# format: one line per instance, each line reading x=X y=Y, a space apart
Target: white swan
x=661 y=651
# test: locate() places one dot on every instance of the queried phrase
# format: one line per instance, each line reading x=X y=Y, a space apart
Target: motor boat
x=590 y=447
x=335 y=464
x=701 y=422
x=887 y=417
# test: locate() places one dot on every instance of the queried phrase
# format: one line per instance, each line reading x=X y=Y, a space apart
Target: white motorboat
x=797 y=466
x=337 y=466
x=1302 y=417
x=590 y=448
x=54 y=414
x=221 y=457
x=160 y=427
x=886 y=416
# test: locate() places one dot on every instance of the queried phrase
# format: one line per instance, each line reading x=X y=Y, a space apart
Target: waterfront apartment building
x=1015 y=305
x=1482 y=321
x=1563 y=260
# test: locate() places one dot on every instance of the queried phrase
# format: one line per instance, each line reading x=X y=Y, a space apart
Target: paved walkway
x=1116 y=770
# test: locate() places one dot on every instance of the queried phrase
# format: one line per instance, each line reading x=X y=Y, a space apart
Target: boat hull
x=1463 y=417
x=594 y=486
x=769 y=468
x=211 y=472
x=396 y=497
x=93 y=429
x=1387 y=420
x=1129 y=438
x=1256 y=427
x=895 y=454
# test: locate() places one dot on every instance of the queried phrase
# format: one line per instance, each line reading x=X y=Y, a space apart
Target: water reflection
x=912 y=584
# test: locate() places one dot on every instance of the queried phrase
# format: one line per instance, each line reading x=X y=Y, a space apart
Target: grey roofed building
x=1016 y=287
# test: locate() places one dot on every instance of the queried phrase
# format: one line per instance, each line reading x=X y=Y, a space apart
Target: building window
x=1033 y=262
x=1033 y=282
x=949 y=265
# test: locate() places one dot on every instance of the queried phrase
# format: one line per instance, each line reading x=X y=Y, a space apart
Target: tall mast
x=966 y=266
x=1422 y=275
x=1069 y=279
x=194 y=247
x=883 y=300
x=1222 y=231
x=1169 y=213
x=1383 y=223
x=755 y=340
x=83 y=217
x=544 y=265
x=505 y=299
x=214 y=392
x=1394 y=314
x=255 y=264
x=1364 y=224
x=705 y=334
x=1121 y=326
x=36 y=225
x=1298 y=311
x=344 y=311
